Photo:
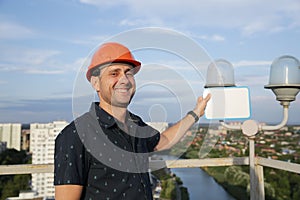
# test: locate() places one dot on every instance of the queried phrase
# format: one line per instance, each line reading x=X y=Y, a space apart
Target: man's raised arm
x=173 y=134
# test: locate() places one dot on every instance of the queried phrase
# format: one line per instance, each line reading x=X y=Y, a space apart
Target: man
x=104 y=153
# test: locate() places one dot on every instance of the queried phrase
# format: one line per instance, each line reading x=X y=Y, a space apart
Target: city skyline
x=44 y=45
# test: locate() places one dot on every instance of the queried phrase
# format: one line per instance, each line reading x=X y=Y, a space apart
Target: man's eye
x=129 y=73
x=114 y=74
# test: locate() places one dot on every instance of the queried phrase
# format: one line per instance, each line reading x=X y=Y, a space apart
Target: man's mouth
x=123 y=90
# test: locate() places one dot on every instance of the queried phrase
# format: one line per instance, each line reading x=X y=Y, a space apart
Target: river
x=200 y=185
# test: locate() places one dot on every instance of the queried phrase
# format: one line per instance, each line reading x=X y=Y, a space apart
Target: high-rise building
x=11 y=134
x=25 y=139
x=42 y=146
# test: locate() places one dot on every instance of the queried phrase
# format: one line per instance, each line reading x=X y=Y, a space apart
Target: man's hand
x=201 y=105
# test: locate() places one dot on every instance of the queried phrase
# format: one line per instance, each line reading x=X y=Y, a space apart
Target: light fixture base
x=219 y=85
x=285 y=93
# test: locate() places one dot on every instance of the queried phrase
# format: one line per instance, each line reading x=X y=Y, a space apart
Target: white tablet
x=228 y=103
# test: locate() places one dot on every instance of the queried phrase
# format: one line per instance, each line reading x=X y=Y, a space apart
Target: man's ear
x=95 y=82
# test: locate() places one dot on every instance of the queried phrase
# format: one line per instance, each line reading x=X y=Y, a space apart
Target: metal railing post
x=256 y=174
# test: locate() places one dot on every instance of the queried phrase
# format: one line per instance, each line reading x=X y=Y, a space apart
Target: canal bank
x=200 y=185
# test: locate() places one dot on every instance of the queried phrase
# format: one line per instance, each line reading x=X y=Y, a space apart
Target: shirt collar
x=107 y=120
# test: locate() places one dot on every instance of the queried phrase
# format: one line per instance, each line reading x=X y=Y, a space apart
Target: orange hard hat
x=112 y=52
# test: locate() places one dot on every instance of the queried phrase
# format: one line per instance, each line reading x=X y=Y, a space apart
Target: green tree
x=12 y=156
x=14 y=185
x=295 y=185
x=269 y=191
x=184 y=193
x=11 y=185
x=235 y=176
x=280 y=182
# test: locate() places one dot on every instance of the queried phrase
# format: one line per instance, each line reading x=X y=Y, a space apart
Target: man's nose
x=124 y=79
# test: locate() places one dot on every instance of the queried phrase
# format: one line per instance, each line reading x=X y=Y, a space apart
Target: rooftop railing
x=256 y=192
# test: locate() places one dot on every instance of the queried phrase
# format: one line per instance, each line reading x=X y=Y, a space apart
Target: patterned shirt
x=94 y=151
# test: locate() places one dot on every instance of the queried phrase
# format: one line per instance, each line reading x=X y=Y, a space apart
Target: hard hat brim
x=135 y=64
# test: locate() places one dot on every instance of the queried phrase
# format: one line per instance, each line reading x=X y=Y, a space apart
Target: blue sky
x=44 y=45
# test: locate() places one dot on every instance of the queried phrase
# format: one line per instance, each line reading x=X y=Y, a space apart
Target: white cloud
x=253 y=80
x=252 y=72
x=214 y=37
x=217 y=38
x=253 y=27
x=33 y=61
x=36 y=56
x=40 y=71
x=103 y=2
x=141 y=22
x=53 y=66
x=266 y=98
x=26 y=56
x=12 y=30
x=37 y=61
x=3 y=82
x=91 y=40
x=127 y=22
x=248 y=16
x=249 y=63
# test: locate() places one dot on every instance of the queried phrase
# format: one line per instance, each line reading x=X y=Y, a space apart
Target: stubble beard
x=120 y=104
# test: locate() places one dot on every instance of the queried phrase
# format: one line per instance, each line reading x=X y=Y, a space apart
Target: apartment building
x=42 y=144
x=10 y=133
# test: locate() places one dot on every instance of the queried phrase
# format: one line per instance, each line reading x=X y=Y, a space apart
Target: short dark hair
x=96 y=71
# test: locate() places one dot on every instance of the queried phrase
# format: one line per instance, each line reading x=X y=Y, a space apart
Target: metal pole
x=282 y=123
x=256 y=175
x=252 y=173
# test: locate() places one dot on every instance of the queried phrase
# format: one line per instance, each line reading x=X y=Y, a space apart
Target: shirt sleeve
x=70 y=161
x=153 y=140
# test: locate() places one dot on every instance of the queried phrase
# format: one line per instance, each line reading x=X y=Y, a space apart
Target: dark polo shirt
x=110 y=164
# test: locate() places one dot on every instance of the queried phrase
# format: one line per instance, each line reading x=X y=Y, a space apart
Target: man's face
x=116 y=85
